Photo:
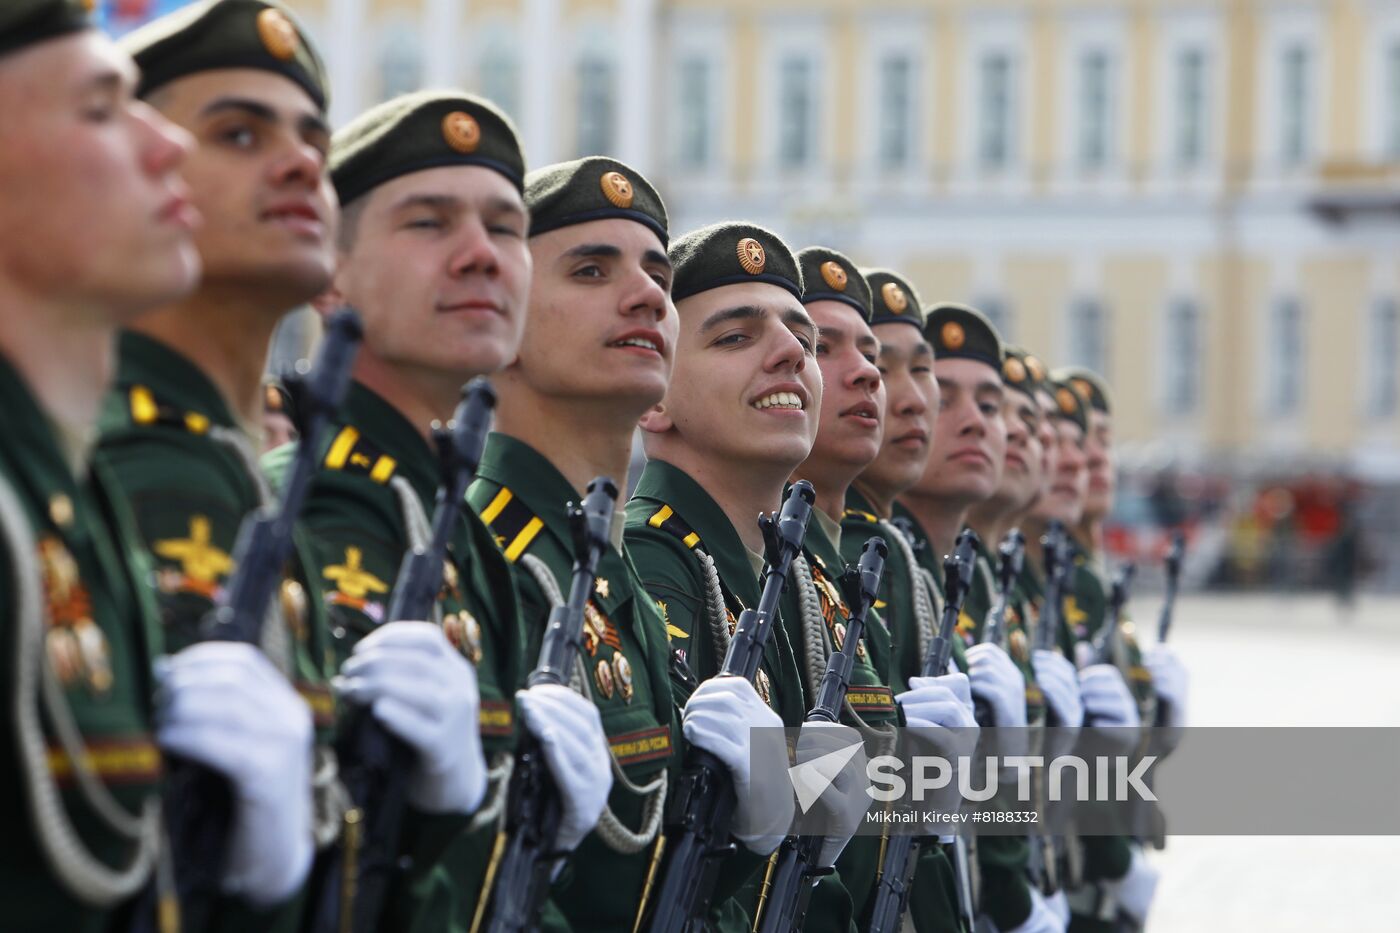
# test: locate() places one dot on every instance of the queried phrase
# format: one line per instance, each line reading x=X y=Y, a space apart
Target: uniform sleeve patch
x=496 y=718
x=633 y=748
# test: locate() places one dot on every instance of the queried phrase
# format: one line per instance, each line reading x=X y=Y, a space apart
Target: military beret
x=594 y=188
x=426 y=129
x=959 y=332
x=829 y=276
x=894 y=298
x=732 y=254
x=215 y=34
x=1070 y=404
x=1020 y=370
x=1090 y=385
x=25 y=22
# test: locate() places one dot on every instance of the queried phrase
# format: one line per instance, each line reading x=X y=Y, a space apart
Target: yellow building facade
x=1200 y=198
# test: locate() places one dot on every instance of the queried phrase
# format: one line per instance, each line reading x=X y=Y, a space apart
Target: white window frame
x=887 y=36
x=707 y=36
x=986 y=32
x=1284 y=28
x=785 y=37
x=1166 y=404
x=1383 y=28
x=1371 y=377
x=492 y=35
x=396 y=33
x=1087 y=32
x=592 y=38
x=1181 y=32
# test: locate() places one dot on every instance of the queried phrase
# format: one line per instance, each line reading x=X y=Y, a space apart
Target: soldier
x=88 y=171
x=432 y=254
x=909 y=601
x=848 y=440
x=964 y=469
x=596 y=355
x=1117 y=878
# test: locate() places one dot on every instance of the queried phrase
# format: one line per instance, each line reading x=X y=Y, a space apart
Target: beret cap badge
x=278 y=35
x=953 y=335
x=1085 y=389
x=894 y=296
x=751 y=255
x=834 y=275
x=461 y=131
x=1013 y=369
x=617 y=188
x=1036 y=368
x=1068 y=405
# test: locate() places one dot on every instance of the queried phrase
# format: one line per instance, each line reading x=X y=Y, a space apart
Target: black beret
x=1070 y=404
x=215 y=34
x=829 y=276
x=894 y=298
x=732 y=254
x=25 y=22
x=593 y=188
x=959 y=332
x=426 y=129
x=1090 y=385
x=1021 y=370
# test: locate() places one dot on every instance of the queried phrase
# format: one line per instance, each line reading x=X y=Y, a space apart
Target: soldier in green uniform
x=909 y=602
x=432 y=254
x=1117 y=878
x=597 y=354
x=88 y=171
x=964 y=469
x=181 y=430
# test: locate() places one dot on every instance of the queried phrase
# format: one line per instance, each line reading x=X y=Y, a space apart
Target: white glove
x=844 y=799
x=1042 y=918
x=424 y=692
x=938 y=701
x=1170 y=680
x=571 y=733
x=225 y=706
x=721 y=717
x=1135 y=889
x=1106 y=697
x=997 y=682
x=1059 y=906
x=1060 y=684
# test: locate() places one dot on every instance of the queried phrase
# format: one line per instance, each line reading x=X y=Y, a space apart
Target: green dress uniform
x=371 y=501
x=522 y=497
x=673 y=527
x=76 y=612
x=933 y=901
x=191 y=476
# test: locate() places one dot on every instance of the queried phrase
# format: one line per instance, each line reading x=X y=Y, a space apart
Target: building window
x=998 y=313
x=1296 y=106
x=499 y=76
x=795 y=112
x=1285 y=363
x=1189 y=144
x=693 y=107
x=1088 y=336
x=595 y=106
x=896 y=111
x=400 y=63
x=1392 y=101
x=1383 y=392
x=1182 y=363
x=1095 y=111
x=995 y=110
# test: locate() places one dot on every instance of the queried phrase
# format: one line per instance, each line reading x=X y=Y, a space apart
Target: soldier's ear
x=656 y=420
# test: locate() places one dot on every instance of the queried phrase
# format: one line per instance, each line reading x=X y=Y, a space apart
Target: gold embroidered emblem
x=352 y=580
x=894 y=296
x=751 y=255
x=203 y=564
x=461 y=131
x=601 y=587
x=952 y=335
x=278 y=35
x=617 y=188
x=834 y=275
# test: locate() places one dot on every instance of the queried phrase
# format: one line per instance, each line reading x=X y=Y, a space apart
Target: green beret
x=1090 y=385
x=829 y=276
x=427 y=129
x=1021 y=370
x=25 y=22
x=594 y=188
x=216 y=34
x=959 y=332
x=1070 y=405
x=894 y=298
x=732 y=254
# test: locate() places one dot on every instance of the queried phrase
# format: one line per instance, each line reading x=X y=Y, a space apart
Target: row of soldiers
x=167 y=201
